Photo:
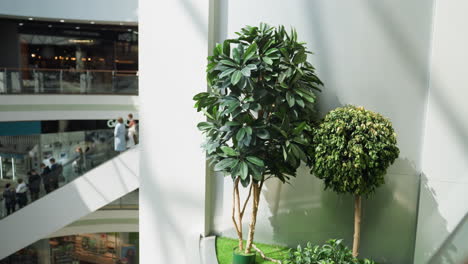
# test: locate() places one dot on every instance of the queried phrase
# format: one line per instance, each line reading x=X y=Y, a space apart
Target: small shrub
x=332 y=252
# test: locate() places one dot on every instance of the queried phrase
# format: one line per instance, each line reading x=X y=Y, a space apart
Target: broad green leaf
x=236 y=76
x=225 y=163
x=201 y=95
x=228 y=62
x=255 y=171
x=300 y=102
x=236 y=55
x=271 y=51
x=267 y=60
x=248 y=130
x=244 y=170
x=226 y=72
x=229 y=151
x=250 y=52
x=290 y=99
x=240 y=134
x=255 y=161
x=205 y=126
x=246 y=72
x=300 y=57
x=251 y=66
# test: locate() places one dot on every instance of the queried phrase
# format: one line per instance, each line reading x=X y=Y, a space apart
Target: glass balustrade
x=127 y=202
x=75 y=153
x=62 y=81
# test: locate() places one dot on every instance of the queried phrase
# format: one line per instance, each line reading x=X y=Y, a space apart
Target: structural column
x=173 y=50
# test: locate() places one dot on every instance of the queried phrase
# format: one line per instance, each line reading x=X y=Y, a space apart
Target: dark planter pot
x=242 y=258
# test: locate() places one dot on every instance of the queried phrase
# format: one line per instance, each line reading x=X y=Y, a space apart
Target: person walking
x=132 y=135
x=34 y=184
x=55 y=173
x=9 y=195
x=45 y=175
x=79 y=165
x=119 y=136
x=21 y=193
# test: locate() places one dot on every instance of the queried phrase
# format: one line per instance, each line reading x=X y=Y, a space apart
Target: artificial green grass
x=225 y=246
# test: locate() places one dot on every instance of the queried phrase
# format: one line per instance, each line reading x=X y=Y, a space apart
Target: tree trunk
x=357 y=225
x=253 y=220
x=236 y=213
x=239 y=218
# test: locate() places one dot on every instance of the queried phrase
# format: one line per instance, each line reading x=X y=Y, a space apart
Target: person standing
x=55 y=173
x=79 y=164
x=34 y=183
x=45 y=175
x=119 y=136
x=21 y=193
x=132 y=136
x=9 y=195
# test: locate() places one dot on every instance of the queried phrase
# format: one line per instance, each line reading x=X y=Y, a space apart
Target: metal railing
x=63 y=81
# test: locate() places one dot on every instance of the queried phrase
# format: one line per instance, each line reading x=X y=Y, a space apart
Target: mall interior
x=69 y=70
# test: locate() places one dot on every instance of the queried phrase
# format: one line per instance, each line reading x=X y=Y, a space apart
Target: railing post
x=61 y=81
x=113 y=82
x=1 y=168
x=88 y=82
x=36 y=81
x=83 y=82
x=2 y=82
x=13 y=168
x=6 y=80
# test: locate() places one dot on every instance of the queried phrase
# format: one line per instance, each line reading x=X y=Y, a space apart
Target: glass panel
x=46 y=81
x=75 y=153
x=129 y=201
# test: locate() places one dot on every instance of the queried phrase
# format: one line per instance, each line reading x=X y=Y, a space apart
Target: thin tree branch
x=264 y=256
x=246 y=201
x=239 y=233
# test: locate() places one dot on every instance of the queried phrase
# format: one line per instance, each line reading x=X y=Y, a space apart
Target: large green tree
x=353 y=148
x=260 y=107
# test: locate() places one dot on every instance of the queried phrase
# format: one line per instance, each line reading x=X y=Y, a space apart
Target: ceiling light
x=129 y=30
x=77 y=27
x=92 y=22
x=30 y=18
x=49 y=26
x=33 y=55
x=121 y=23
x=20 y=24
x=81 y=40
x=62 y=21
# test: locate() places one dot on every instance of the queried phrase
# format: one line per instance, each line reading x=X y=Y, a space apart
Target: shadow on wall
x=454 y=250
x=435 y=227
x=389 y=217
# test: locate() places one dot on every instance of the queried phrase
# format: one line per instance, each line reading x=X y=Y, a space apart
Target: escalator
x=106 y=178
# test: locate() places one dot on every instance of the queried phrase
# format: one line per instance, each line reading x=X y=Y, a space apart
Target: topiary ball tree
x=259 y=106
x=353 y=148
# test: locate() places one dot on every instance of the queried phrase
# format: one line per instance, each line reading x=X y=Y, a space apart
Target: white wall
x=370 y=53
x=173 y=50
x=92 y=10
x=444 y=202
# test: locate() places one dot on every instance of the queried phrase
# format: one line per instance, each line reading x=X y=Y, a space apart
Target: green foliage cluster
x=353 y=148
x=332 y=252
x=260 y=105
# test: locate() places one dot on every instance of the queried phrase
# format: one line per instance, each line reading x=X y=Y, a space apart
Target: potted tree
x=353 y=148
x=259 y=106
